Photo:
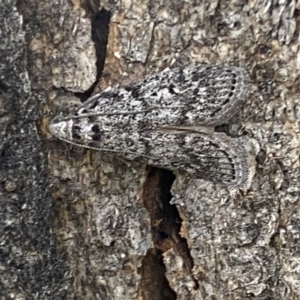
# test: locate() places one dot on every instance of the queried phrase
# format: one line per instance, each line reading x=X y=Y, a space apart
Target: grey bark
x=76 y=224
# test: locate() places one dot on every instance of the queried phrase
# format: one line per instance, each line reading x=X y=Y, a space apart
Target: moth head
x=70 y=130
x=60 y=127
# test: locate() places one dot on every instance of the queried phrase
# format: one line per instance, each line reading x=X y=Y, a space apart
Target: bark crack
x=165 y=229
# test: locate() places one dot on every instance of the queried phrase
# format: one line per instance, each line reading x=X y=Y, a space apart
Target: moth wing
x=214 y=157
x=198 y=95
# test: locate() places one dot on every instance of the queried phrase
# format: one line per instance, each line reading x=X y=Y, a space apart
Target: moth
x=167 y=120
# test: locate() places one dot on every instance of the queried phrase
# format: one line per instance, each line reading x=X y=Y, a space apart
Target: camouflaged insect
x=167 y=121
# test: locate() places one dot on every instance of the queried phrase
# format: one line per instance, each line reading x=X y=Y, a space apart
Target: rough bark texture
x=76 y=224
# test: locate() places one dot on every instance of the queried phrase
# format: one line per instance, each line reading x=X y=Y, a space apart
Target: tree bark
x=79 y=224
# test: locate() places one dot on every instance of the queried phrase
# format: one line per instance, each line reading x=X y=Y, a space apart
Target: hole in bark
x=165 y=227
x=154 y=284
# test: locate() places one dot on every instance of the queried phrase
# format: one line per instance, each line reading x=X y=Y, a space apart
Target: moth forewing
x=198 y=95
x=214 y=157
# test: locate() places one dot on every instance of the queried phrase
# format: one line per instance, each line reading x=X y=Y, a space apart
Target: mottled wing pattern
x=198 y=95
x=214 y=157
x=154 y=122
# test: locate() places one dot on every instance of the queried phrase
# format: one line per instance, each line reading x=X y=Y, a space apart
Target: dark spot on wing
x=171 y=89
x=95 y=128
x=96 y=136
x=135 y=92
x=233 y=80
x=76 y=136
x=76 y=132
